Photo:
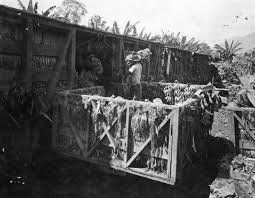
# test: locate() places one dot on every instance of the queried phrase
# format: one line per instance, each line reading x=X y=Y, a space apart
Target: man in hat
x=134 y=62
x=135 y=73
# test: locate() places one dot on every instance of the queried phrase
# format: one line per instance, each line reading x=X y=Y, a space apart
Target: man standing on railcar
x=134 y=61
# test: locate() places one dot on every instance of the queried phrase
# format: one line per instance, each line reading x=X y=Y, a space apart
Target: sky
x=209 y=21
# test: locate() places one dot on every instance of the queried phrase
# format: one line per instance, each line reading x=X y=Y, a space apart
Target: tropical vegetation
x=229 y=50
x=72 y=11
x=33 y=8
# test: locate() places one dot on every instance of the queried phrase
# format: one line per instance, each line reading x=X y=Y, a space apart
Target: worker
x=135 y=73
x=134 y=60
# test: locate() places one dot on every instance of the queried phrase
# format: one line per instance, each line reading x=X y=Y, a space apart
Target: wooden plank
x=28 y=53
x=101 y=138
x=138 y=152
x=245 y=128
x=121 y=44
x=136 y=46
x=229 y=108
x=127 y=154
x=71 y=68
x=11 y=47
x=47 y=50
x=170 y=143
x=87 y=128
x=149 y=65
x=175 y=146
x=162 y=124
x=131 y=102
x=55 y=77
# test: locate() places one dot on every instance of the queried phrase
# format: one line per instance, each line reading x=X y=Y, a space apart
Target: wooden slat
x=162 y=124
x=138 y=152
x=149 y=139
x=229 y=108
x=55 y=77
x=47 y=50
x=131 y=102
x=101 y=138
x=245 y=128
x=71 y=69
x=87 y=128
x=170 y=143
x=175 y=146
x=126 y=157
x=28 y=53
x=136 y=46
x=121 y=44
x=149 y=65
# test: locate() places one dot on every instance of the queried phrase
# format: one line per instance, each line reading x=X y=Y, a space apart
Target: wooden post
x=71 y=69
x=27 y=80
x=148 y=65
x=120 y=52
x=87 y=135
x=170 y=143
x=61 y=62
x=175 y=145
x=27 y=53
x=127 y=155
x=136 y=46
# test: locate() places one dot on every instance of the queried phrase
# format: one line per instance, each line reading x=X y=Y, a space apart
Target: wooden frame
x=243 y=144
x=131 y=154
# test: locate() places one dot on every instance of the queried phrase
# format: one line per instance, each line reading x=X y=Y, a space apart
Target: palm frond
x=127 y=27
x=48 y=11
x=148 y=36
x=21 y=5
x=30 y=7
x=226 y=45
x=36 y=8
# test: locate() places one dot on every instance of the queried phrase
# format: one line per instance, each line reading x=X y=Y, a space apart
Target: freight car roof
x=9 y=12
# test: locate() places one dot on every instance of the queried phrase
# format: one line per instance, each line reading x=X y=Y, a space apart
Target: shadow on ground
x=69 y=178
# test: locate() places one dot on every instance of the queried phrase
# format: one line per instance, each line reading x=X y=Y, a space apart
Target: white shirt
x=136 y=71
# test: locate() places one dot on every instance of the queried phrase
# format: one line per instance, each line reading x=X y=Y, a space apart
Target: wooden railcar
x=155 y=141
x=243 y=124
x=36 y=49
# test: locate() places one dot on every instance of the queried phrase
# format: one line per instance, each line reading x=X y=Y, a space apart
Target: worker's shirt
x=136 y=72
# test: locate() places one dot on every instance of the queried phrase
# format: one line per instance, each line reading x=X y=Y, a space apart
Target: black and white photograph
x=127 y=99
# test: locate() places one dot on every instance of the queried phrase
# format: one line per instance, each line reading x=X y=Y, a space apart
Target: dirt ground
x=64 y=178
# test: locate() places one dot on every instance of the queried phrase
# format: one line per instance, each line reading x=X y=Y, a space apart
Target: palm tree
x=143 y=35
x=229 y=50
x=130 y=29
x=33 y=8
x=115 y=28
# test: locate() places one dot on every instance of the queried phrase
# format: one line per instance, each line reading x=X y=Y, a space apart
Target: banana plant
x=33 y=8
x=229 y=50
